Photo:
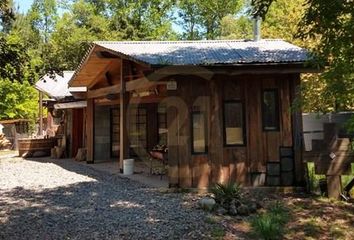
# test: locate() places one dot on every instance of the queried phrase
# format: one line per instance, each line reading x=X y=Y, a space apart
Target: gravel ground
x=60 y=199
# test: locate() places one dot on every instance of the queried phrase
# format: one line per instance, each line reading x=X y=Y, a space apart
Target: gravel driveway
x=60 y=199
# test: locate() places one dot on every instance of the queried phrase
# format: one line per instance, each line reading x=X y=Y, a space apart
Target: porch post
x=123 y=138
x=90 y=125
x=40 y=131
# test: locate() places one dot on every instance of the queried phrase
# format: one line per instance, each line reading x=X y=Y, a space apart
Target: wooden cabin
x=222 y=107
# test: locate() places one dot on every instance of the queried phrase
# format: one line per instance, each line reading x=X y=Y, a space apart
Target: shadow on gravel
x=72 y=166
x=109 y=208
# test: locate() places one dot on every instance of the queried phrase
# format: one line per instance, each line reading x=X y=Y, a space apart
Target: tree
x=190 y=20
x=17 y=96
x=202 y=19
x=236 y=27
x=7 y=14
x=331 y=23
x=18 y=100
x=43 y=14
x=142 y=19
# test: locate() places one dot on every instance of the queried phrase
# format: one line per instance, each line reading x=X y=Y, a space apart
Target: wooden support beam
x=134 y=100
x=40 y=132
x=297 y=132
x=141 y=83
x=123 y=138
x=90 y=125
x=102 y=92
x=97 y=77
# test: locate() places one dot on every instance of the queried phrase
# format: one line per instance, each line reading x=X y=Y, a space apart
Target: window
x=138 y=128
x=199 y=135
x=115 y=134
x=233 y=123
x=270 y=108
x=162 y=125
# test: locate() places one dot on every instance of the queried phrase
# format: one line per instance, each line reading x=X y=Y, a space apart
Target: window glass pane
x=233 y=123
x=270 y=110
x=199 y=135
x=137 y=128
x=162 y=125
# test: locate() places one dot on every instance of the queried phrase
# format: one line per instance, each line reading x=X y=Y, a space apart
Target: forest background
x=53 y=36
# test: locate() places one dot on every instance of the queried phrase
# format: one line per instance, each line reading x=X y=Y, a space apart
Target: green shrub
x=225 y=193
x=270 y=225
x=313 y=178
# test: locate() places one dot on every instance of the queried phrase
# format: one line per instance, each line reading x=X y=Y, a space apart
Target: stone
x=252 y=207
x=243 y=210
x=221 y=211
x=27 y=154
x=81 y=154
x=233 y=211
x=207 y=203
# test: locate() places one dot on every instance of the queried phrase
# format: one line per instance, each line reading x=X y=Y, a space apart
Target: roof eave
x=302 y=66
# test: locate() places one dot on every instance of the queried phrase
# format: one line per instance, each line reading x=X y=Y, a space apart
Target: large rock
x=243 y=210
x=221 y=211
x=233 y=210
x=207 y=203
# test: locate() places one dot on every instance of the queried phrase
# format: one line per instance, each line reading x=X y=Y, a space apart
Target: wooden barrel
x=33 y=145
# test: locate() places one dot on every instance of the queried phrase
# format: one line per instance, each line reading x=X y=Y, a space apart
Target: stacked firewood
x=4 y=142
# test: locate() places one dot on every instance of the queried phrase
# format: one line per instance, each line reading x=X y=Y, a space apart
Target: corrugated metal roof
x=57 y=86
x=208 y=52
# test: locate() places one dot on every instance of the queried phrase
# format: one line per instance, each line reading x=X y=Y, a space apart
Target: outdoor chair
x=158 y=160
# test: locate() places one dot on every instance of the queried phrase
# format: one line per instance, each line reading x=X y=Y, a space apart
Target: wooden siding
x=90 y=130
x=227 y=163
x=77 y=129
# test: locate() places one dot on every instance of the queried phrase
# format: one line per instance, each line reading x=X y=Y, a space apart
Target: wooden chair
x=160 y=159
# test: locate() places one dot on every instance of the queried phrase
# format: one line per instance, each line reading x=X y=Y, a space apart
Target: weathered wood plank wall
x=228 y=163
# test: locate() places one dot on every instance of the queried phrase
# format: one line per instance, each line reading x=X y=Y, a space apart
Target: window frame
x=158 y=115
x=244 y=139
x=277 y=109
x=205 y=132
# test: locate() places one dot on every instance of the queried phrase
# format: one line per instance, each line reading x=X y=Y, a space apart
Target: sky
x=23 y=5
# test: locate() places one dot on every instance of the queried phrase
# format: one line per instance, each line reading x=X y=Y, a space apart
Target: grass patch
x=216 y=231
x=336 y=232
x=314 y=179
x=270 y=224
x=312 y=228
x=347 y=178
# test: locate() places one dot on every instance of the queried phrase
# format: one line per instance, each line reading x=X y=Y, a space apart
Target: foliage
x=313 y=178
x=330 y=25
x=333 y=24
x=224 y=194
x=202 y=19
x=270 y=225
x=11 y=48
x=142 y=19
x=7 y=14
x=236 y=27
x=18 y=100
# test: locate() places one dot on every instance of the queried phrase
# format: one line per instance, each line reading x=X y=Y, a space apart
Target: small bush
x=224 y=194
x=314 y=179
x=270 y=225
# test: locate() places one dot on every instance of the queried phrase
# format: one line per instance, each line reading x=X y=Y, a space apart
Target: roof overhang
x=101 y=58
x=71 y=105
